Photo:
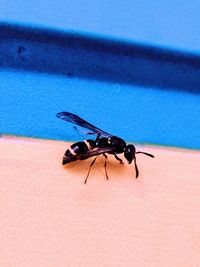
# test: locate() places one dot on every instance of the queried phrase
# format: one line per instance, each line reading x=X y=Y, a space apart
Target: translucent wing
x=69 y=117
x=95 y=152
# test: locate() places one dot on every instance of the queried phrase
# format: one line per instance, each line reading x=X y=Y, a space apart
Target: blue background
x=151 y=111
x=168 y=23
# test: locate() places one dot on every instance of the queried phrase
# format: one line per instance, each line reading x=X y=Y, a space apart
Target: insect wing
x=69 y=117
x=95 y=152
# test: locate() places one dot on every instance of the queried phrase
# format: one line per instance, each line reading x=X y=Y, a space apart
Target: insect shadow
x=113 y=168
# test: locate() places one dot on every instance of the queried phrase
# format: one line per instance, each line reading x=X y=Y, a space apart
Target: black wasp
x=104 y=143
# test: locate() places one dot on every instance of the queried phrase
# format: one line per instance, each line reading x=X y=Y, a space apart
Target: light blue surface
x=29 y=102
x=168 y=23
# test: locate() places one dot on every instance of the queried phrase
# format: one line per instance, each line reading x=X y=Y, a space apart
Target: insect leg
x=90 y=169
x=105 y=164
x=121 y=161
x=136 y=169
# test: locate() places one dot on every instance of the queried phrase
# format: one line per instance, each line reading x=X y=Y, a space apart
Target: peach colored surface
x=48 y=217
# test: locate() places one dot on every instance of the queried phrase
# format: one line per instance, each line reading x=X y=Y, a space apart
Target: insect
x=104 y=144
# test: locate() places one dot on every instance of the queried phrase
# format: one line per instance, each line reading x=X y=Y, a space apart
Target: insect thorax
x=118 y=143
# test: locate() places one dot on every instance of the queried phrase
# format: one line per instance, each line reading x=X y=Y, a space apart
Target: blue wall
x=168 y=23
x=135 y=113
x=141 y=92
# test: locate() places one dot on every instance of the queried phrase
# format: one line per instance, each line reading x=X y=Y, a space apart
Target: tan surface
x=48 y=217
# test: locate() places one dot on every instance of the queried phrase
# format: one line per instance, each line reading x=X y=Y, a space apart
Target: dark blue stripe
x=92 y=57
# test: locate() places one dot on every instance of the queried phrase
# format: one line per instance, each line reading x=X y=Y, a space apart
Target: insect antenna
x=147 y=154
x=140 y=152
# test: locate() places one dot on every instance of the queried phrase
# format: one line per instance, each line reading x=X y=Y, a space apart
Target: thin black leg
x=136 y=169
x=105 y=164
x=121 y=161
x=90 y=169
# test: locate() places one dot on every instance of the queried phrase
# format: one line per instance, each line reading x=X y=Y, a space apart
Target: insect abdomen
x=72 y=153
x=68 y=157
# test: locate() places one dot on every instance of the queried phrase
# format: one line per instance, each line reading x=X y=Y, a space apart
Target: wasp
x=104 y=144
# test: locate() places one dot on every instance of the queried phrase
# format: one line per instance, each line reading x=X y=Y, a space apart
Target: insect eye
x=129 y=153
x=130 y=149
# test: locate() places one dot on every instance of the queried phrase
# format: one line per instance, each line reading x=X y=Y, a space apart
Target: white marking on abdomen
x=72 y=151
x=87 y=144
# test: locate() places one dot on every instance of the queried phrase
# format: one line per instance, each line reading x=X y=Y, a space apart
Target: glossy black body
x=104 y=143
x=89 y=148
